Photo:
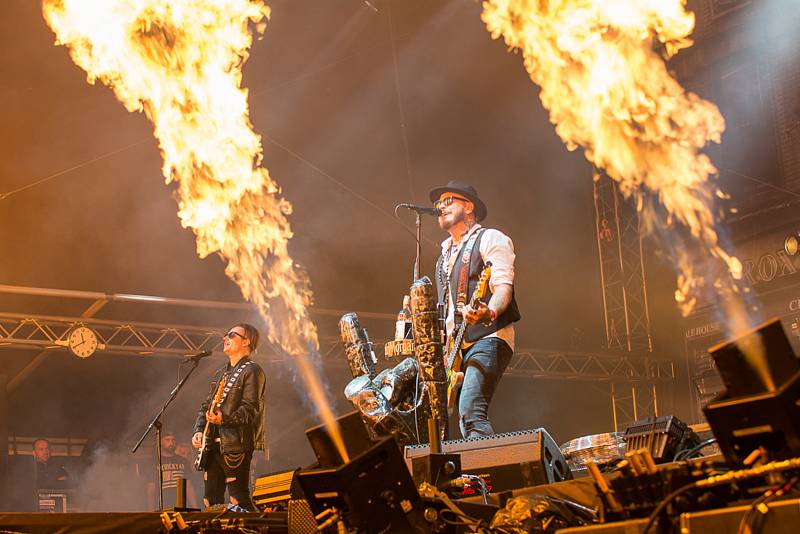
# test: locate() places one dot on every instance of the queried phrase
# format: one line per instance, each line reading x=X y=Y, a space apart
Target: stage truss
x=628 y=376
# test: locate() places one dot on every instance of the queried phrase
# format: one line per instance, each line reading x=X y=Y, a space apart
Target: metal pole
x=622 y=273
x=614 y=405
x=158 y=466
x=655 y=402
x=600 y=256
x=418 y=258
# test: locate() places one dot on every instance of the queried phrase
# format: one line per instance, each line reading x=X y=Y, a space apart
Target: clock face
x=83 y=342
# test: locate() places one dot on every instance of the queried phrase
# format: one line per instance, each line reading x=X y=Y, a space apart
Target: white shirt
x=495 y=247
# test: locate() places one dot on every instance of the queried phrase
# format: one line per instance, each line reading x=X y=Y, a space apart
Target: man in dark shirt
x=173 y=467
x=49 y=475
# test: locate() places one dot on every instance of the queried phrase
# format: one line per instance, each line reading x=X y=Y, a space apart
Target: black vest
x=474 y=332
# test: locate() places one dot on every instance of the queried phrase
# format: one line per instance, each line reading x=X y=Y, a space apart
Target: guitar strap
x=237 y=371
x=461 y=297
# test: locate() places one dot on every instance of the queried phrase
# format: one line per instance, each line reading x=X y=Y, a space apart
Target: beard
x=450 y=221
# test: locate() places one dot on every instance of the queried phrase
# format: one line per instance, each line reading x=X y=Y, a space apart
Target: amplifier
x=273 y=489
x=505 y=461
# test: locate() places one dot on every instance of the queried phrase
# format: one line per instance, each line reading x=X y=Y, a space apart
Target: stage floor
x=134 y=522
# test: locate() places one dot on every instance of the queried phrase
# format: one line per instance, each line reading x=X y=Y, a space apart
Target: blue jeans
x=484 y=363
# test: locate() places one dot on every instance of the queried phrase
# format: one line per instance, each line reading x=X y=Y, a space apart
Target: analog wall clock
x=83 y=342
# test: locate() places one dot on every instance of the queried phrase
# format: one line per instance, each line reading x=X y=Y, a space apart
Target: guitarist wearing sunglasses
x=230 y=423
x=479 y=319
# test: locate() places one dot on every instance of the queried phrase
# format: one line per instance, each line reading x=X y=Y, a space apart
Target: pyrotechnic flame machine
x=357 y=346
x=428 y=347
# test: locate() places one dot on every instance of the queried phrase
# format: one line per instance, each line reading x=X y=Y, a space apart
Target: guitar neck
x=459 y=335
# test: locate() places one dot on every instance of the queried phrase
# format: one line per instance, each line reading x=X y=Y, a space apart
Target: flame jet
x=608 y=90
x=180 y=61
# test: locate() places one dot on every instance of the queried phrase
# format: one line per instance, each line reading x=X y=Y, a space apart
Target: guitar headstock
x=220 y=391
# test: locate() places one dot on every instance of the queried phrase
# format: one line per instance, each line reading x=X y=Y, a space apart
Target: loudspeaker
x=505 y=461
x=355 y=438
x=760 y=406
x=373 y=492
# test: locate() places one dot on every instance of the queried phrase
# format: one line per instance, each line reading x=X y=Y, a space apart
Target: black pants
x=231 y=470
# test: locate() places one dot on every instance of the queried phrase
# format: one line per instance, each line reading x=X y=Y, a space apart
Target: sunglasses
x=446 y=201
x=232 y=334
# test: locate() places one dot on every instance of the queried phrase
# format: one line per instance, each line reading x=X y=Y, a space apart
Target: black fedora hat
x=465 y=190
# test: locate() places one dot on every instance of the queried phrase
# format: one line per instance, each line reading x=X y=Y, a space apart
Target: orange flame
x=609 y=91
x=181 y=63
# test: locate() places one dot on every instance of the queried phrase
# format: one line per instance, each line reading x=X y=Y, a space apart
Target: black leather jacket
x=242 y=410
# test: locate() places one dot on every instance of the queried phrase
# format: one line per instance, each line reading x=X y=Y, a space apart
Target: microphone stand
x=156 y=423
x=418 y=259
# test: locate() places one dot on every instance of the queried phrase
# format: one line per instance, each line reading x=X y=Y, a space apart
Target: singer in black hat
x=235 y=423
x=488 y=342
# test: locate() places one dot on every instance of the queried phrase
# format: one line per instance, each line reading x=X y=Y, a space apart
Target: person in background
x=49 y=473
x=173 y=467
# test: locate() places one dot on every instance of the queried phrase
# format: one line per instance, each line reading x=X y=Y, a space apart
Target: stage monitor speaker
x=770 y=363
x=759 y=409
x=373 y=492
x=505 y=461
x=276 y=489
x=355 y=438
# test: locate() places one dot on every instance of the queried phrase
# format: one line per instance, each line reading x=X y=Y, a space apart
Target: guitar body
x=201 y=462
x=454 y=358
x=454 y=380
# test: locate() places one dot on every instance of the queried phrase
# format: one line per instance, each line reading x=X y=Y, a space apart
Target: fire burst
x=608 y=90
x=181 y=63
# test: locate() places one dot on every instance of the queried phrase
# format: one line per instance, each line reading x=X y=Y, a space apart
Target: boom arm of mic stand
x=156 y=422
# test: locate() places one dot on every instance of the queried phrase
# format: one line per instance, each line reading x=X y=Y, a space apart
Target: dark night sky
x=333 y=88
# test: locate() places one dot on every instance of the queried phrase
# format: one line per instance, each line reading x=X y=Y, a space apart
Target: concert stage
x=143 y=522
x=783 y=518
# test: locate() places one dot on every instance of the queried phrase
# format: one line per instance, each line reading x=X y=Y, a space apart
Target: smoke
x=114 y=480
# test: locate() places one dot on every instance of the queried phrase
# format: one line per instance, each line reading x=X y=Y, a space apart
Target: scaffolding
x=50 y=333
x=624 y=289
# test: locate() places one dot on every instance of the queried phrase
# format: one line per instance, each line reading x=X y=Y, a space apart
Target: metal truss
x=619 y=243
x=156 y=339
x=588 y=366
x=134 y=338
x=626 y=314
x=51 y=332
x=631 y=402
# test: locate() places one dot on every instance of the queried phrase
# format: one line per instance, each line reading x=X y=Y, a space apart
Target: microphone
x=421 y=209
x=196 y=357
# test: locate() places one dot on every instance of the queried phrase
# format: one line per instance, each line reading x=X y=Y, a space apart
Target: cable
x=759 y=504
x=49 y=177
x=686 y=454
x=667 y=500
x=427 y=490
x=727 y=478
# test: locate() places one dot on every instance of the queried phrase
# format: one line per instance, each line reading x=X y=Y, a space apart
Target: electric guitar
x=453 y=358
x=201 y=461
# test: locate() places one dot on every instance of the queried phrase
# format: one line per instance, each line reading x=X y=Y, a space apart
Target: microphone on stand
x=421 y=209
x=196 y=357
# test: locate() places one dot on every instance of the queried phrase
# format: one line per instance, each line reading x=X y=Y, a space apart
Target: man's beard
x=446 y=224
